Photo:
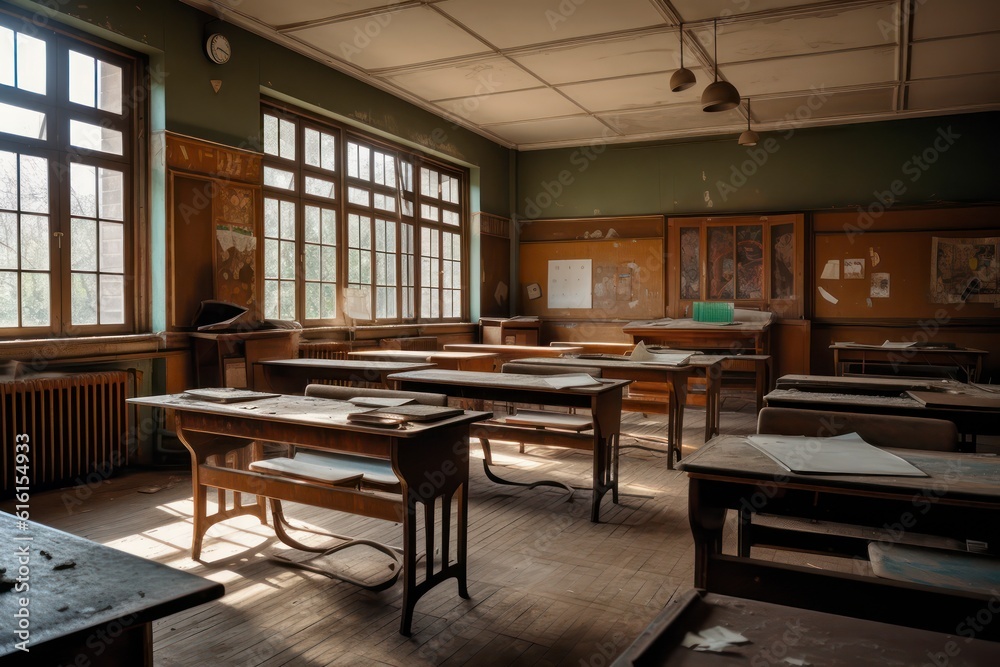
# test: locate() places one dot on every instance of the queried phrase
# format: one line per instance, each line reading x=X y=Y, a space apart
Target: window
x=323 y=183
x=67 y=128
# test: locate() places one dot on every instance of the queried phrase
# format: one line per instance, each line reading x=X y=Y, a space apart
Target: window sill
x=109 y=348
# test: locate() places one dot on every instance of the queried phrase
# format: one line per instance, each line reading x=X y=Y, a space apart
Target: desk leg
x=675 y=430
x=203 y=446
x=430 y=468
x=706 y=522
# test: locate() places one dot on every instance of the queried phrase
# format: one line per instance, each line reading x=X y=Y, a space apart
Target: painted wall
x=944 y=159
x=174 y=32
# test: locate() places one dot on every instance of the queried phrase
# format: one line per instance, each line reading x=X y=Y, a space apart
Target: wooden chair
x=338 y=470
x=879 y=430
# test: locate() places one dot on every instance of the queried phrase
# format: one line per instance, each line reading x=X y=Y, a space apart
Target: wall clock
x=218 y=49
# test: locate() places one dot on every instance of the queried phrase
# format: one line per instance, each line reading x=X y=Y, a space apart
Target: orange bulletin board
x=627 y=277
x=905 y=256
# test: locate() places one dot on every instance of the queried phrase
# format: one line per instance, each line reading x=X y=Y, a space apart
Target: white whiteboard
x=570 y=283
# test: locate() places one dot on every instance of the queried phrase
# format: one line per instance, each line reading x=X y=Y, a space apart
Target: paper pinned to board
x=832 y=270
x=826 y=295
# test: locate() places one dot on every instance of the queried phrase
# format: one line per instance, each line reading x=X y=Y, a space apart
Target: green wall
x=174 y=33
x=943 y=159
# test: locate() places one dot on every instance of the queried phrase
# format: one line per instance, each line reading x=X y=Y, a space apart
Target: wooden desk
x=451 y=360
x=959 y=500
x=507 y=353
x=671 y=378
x=419 y=453
x=970 y=422
x=226 y=359
x=290 y=376
x=865 y=384
x=775 y=631
x=604 y=402
x=751 y=337
x=86 y=600
x=857 y=359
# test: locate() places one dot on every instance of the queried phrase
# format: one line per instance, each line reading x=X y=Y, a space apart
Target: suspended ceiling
x=535 y=74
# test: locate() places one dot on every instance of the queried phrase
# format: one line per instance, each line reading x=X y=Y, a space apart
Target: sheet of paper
x=570 y=380
x=846 y=454
x=900 y=344
x=379 y=401
x=642 y=354
x=571 y=283
x=715 y=640
x=829 y=297
x=832 y=270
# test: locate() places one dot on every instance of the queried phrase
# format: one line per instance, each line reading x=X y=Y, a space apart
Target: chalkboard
x=626 y=278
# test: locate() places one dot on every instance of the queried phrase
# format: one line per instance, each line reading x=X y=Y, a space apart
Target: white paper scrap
x=832 y=270
x=829 y=297
x=716 y=640
x=570 y=380
x=797 y=661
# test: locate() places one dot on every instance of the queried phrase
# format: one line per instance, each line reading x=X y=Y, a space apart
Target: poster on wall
x=879 y=286
x=235 y=249
x=721 y=263
x=964 y=269
x=854 y=269
x=570 y=283
x=783 y=261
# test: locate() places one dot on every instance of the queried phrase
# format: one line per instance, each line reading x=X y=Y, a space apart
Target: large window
x=68 y=120
x=356 y=229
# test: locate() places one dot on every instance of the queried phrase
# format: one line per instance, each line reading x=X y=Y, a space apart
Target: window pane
x=328 y=307
x=271 y=299
x=8 y=180
x=34 y=243
x=311 y=234
x=286 y=139
x=329 y=273
x=311 y=156
x=84 y=286
x=328 y=145
x=83 y=190
x=312 y=269
x=270 y=134
x=287 y=220
x=94 y=137
x=8 y=299
x=279 y=178
x=359 y=196
x=287 y=296
x=270 y=258
x=6 y=59
x=449 y=217
x=270 y=217
x=112 y=247
x=429 y=212
x=329 y=226
x=319 y=187
x=8 y=240
x=31 y=66
x=109 y=92
x=83 y=245
x=112 y=191
x=385 y=203
x=312 y=303
x=287 y=264
x=112 y=299
x=81 y=79
x=22 y=122
x=35 y=299
x=34 y=184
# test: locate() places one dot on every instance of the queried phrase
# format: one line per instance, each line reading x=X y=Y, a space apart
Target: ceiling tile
x=466 y=79
x=286 y=13
x=394 y=39
x=954 y=92
x=520 y=22
x=518 y=105
x=857 y=27
x=947 y=18
x=957 y=55
x=696 y=10
x=576 y=128
x=672 y=119
x=827 y=70
x=801 y=108
x=601 y=60
x=633 y=92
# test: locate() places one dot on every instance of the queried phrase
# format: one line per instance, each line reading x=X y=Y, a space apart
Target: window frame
x=61 y=155
x=348 y=134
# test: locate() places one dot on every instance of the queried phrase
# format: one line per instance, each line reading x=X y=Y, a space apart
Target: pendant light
x=720 y=95
x=749 y=137
x=683 y=78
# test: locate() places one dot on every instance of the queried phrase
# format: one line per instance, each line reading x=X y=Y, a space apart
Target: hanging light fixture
x=683 y=78
x=720 y=95
x=749 y=137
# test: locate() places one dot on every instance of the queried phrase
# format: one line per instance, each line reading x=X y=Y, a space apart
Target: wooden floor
x=548 y=586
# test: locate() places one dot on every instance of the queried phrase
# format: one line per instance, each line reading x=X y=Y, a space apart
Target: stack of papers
x=846 y=454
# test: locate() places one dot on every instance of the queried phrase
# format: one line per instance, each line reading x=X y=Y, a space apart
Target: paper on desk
x=379 y=401
x=899 y=344
x=717 y=639
x=846 y=454
x=570 y=380
x=671 y=358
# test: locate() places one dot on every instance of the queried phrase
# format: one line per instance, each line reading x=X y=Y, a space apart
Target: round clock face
x=218 y=49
